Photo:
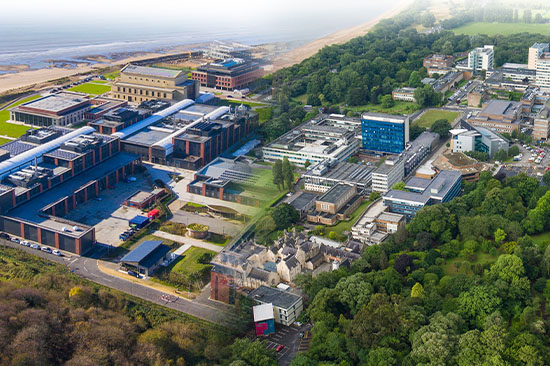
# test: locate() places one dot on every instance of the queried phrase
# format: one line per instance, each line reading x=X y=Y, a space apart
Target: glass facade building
x=384 y=133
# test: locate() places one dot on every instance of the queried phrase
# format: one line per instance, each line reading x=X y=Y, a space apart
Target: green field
x=91 y=88
x=541 y=238
x=188 y=264
x=10 y=129
x=433 y=115
x=4 y=141
x=112 y=75
x=346 y=225
x=400 y=107
x=505 y=29
x=481 y=258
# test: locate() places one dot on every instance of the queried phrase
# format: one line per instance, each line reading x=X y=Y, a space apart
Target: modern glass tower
x=384 y=133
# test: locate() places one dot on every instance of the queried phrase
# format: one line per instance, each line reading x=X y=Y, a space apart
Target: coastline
x=299 y=54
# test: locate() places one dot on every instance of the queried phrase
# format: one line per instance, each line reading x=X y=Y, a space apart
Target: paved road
x=186 y=240
x=87 y=267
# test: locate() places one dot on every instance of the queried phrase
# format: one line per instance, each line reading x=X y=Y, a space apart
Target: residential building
x=62 y=109
x=286 y=305
x=418 y=150
x=477 y=139
x=316 y=141
x=384 y=133
x=142 y=83
x=405 y=94
x=543 y=71
x=498 y=115
x=391 y=171
x=228 y=74
x=541 y=125
x=335 y=204
x=421 y=192
x=438 y=64
x=325 y=175
x=146 y=258
x=535 y=51
x=481 y=59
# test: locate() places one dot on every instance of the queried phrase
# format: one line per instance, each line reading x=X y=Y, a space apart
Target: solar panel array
x=64 y=154
x=238 y=177
x=17 y=147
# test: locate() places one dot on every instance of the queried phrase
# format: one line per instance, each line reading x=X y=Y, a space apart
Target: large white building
x=386 y=175
x=535 y=51
x=481 y=58
x=477 y=139
x=543 y=71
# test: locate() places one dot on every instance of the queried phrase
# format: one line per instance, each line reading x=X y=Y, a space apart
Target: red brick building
x=228 y=74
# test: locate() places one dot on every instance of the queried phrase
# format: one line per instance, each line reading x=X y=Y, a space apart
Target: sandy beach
x=299 y=54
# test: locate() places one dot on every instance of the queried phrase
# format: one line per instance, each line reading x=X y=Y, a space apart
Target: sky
x=151 y=11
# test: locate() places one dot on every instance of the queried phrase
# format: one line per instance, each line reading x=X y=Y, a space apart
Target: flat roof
x=147 y=253
x=270 y=295
x=501 y=107
x=333 y=194
x=263 y=312
x=384 y=117
x=54 y=103
x=152 y=71
x=301 y=200
x=437 y=187
x=147 y=137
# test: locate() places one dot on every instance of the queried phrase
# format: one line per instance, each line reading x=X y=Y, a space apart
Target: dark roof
x=138 y=220
x=280 y=299
x=334 y=194
x=147 y=253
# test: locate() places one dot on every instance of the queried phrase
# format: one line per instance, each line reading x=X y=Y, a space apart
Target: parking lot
x=290 y=338
x=107 y=214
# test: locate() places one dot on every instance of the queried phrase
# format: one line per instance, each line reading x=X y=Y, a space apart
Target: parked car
x=24 y=242
x=5 y=236
x=132 y=273
x=15 y=240
x=35 y=246
x=27 y=244
x=280 y=347
x=46 y=249
x=57 y=252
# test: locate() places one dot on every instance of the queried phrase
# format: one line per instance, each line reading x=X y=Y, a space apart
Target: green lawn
x=188 y=263
x=4 y=141
x=10 y=129
x=264 y=114
x=541 y=238
x=481 y=258
x=400 y=107
x=301 y=98
x=218 y=239
x=112 y=75
x=346 y=225
x=505 y=29
x=91 y=88
x=433 y=115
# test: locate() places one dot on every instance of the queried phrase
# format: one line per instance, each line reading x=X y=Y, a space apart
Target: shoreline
x=299 y=54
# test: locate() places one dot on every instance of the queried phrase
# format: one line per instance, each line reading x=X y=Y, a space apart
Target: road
x=86 y=267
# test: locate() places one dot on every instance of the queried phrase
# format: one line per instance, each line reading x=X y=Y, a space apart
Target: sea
x=43 y=44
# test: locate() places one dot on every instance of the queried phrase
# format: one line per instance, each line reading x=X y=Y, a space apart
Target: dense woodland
x=51 y=317
x=463 y=285
x=366 y=69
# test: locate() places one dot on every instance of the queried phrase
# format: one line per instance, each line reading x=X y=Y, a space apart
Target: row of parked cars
x=28 y=244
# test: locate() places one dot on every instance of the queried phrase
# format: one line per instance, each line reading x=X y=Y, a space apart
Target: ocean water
x=37 y=44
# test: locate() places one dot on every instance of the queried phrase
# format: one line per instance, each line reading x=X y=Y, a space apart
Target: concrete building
x=62 y=109
x=481 y=58
x=376 y=223
x=384 y=133
x=543 y=71
x=335 y=204
x=141 y=83
x=535 y=51
x=418 y=150
x=541 y=124
x=316 y=141
x=146 y=258
x=447 y=82
x=303 y=202
x=287 y=307
x=391 y=171
x=421 y=192
x=325 y=175
x=405 y=94
x=228 y=74
x=477 y=139
x=264 y=320
x=438 y=64
x=498 y=115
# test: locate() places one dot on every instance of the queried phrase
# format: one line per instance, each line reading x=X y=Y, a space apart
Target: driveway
x=289 y=337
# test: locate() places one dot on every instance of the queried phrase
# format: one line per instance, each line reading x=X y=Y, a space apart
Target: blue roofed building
x=384 y=133
x=146 y=258
x=421 y=192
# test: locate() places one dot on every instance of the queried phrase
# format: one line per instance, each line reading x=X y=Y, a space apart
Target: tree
x=513 y=151
x=253 y=353
x=354 y=291
x=307 y=164
x=546 y=178
x=426 y=96
x=500 y=235
x=539 y=19
x=387 y=101
x=441 y=127
x=417 y=291
x=403 y=264
x=415 y=130
x=288 y=173
x=278 y=178
x=477 y=303
x=284 y=215
x=415 y=80
x=501 y=155
x=399 y=186
x=527 y=16
x=428 y=20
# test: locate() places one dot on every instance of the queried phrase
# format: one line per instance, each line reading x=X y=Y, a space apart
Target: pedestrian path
x=186 y=240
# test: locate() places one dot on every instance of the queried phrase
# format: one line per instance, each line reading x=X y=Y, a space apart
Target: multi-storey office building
x=477 y=139
x=535 y=51
x=387 y=174
x=323 y=176
x=383 y=133
x=543 y=71
x=228 y=74
x=481 y=58
x=498 y=115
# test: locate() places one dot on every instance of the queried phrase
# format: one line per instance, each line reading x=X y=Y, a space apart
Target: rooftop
x=147 y=137
x=334 y=194
x=54 y=103
x=151 y=71
x=147 y=253
x=430 y=188
x=278 y=298
x=301 y=200
x=502 y=108
x=343 y=171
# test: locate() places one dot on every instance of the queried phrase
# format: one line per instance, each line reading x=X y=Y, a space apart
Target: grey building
x=286 y=306
x=323 y=176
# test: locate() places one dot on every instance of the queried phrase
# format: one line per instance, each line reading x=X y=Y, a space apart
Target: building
x=481 y=59
x=228 y=74
x=335 y=204
x=438 y=64
x=264 y=320
x=391 y=171
x=511 y=77
x=119 y=119
x=498 y=115
x=418 y=150
x=543 y=71
x=303 y=202
x=421 y=192
x=456 y=161
x=477 y=139
x=146 y=258
x=541 y=124
x=325 y=175
x=142 y=199
x=405 y=94
x=383 y=133
x=62 y=109
x=447 y=82
x=287 y=307
x=535 y=51
x=376 y=223
x=317 y=140
x=142 y=83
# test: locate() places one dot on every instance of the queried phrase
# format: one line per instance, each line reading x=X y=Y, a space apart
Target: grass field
x=346 y=225
x=481 y=258
x=504 y=29
x=112 y=75
x=4 y=141
x=541 y=238
x=91 y=88
x=432 y=115
x=400 y=107
x=10 y=129
x=188 y=263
